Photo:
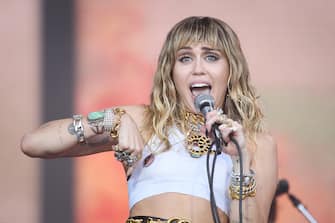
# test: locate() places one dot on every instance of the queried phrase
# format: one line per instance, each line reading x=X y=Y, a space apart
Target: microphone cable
x=210 y=175
x=240 y=212
x=204 y=104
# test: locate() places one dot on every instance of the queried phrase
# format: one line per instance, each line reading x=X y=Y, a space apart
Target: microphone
x=296 y=202
x=204 y=103
x=283 y=187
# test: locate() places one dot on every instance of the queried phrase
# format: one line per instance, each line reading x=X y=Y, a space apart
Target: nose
x=198 y=68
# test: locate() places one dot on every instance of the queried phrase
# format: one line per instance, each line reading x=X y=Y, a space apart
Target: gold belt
x=151 y=220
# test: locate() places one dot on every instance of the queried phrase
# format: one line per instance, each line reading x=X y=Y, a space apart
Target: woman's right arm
x=57 y=139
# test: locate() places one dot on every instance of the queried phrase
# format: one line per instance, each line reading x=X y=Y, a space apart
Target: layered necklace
x=197 y=143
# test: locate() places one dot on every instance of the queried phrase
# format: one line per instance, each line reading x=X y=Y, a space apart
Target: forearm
x=56 y=139
x=250 y=208
x=250 y=211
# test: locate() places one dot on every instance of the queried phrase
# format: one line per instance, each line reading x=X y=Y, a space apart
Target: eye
x=184 y=59
x=212 y=57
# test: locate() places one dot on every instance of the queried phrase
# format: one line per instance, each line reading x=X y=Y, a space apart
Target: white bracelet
x=108 y=122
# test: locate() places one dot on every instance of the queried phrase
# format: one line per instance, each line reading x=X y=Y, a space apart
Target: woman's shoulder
x=266 y=150
x=265 y=140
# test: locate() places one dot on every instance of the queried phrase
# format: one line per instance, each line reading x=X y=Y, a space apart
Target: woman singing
x=165 y=146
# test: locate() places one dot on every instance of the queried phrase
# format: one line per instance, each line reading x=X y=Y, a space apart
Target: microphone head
x=204 y=103
x=282 y=187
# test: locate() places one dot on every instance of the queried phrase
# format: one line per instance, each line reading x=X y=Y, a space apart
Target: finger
x=209 y=122
x=123 y=145
x=135 y=153
x=139 y=146
x=129 y=171
x=211 y=114
x=131 y=147
x=228 y=127
x=235 y=131
x=226 y=131
x=214 y=117
x=136 y=145
x=135 y=149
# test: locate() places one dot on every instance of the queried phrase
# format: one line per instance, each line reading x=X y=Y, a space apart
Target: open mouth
x=200 y=88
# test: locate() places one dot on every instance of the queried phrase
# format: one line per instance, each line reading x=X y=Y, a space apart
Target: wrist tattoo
x=95 y=121
x=96 y=129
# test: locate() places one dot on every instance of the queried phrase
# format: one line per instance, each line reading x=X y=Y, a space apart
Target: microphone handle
x=306 y=213
x=218 y=137
x=296 y=202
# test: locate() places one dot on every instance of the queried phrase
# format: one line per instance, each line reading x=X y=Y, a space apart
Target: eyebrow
x=203 y=48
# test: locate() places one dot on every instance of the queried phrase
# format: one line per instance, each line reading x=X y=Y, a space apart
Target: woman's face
x=200 y=69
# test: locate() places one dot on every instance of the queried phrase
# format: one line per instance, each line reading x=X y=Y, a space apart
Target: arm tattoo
x=98 y=140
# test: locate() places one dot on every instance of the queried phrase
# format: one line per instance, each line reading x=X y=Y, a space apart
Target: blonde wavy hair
x=166 y=109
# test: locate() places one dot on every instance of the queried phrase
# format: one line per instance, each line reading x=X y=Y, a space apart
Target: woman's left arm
x=264 y=164
x=260 y=163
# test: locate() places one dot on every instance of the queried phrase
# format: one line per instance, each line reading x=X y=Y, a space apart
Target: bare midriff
x=177 y=205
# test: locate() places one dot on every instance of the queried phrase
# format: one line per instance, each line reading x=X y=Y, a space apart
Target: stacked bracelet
x=248 y=186
x=106 y=121
x=114 y=131
x=79 y=128
x=95 y=121
x=109 y=121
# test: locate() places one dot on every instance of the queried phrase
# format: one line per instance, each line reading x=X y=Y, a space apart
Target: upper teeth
x=199 y=85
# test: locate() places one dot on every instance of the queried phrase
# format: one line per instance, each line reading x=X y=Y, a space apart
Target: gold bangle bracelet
x=236 y=196
x=247 y=191
x=118 y=112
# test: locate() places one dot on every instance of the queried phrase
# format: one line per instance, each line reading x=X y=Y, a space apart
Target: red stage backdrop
x=290 y=50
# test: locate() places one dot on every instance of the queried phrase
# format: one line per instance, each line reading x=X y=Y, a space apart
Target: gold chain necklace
x=197 y=143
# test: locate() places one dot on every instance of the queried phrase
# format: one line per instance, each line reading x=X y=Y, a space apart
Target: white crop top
x=176 y=171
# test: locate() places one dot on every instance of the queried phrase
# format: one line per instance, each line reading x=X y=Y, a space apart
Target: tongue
x=200 y=90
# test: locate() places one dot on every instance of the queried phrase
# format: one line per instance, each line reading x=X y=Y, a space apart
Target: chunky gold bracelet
x=114 y=131
x=247 y=192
